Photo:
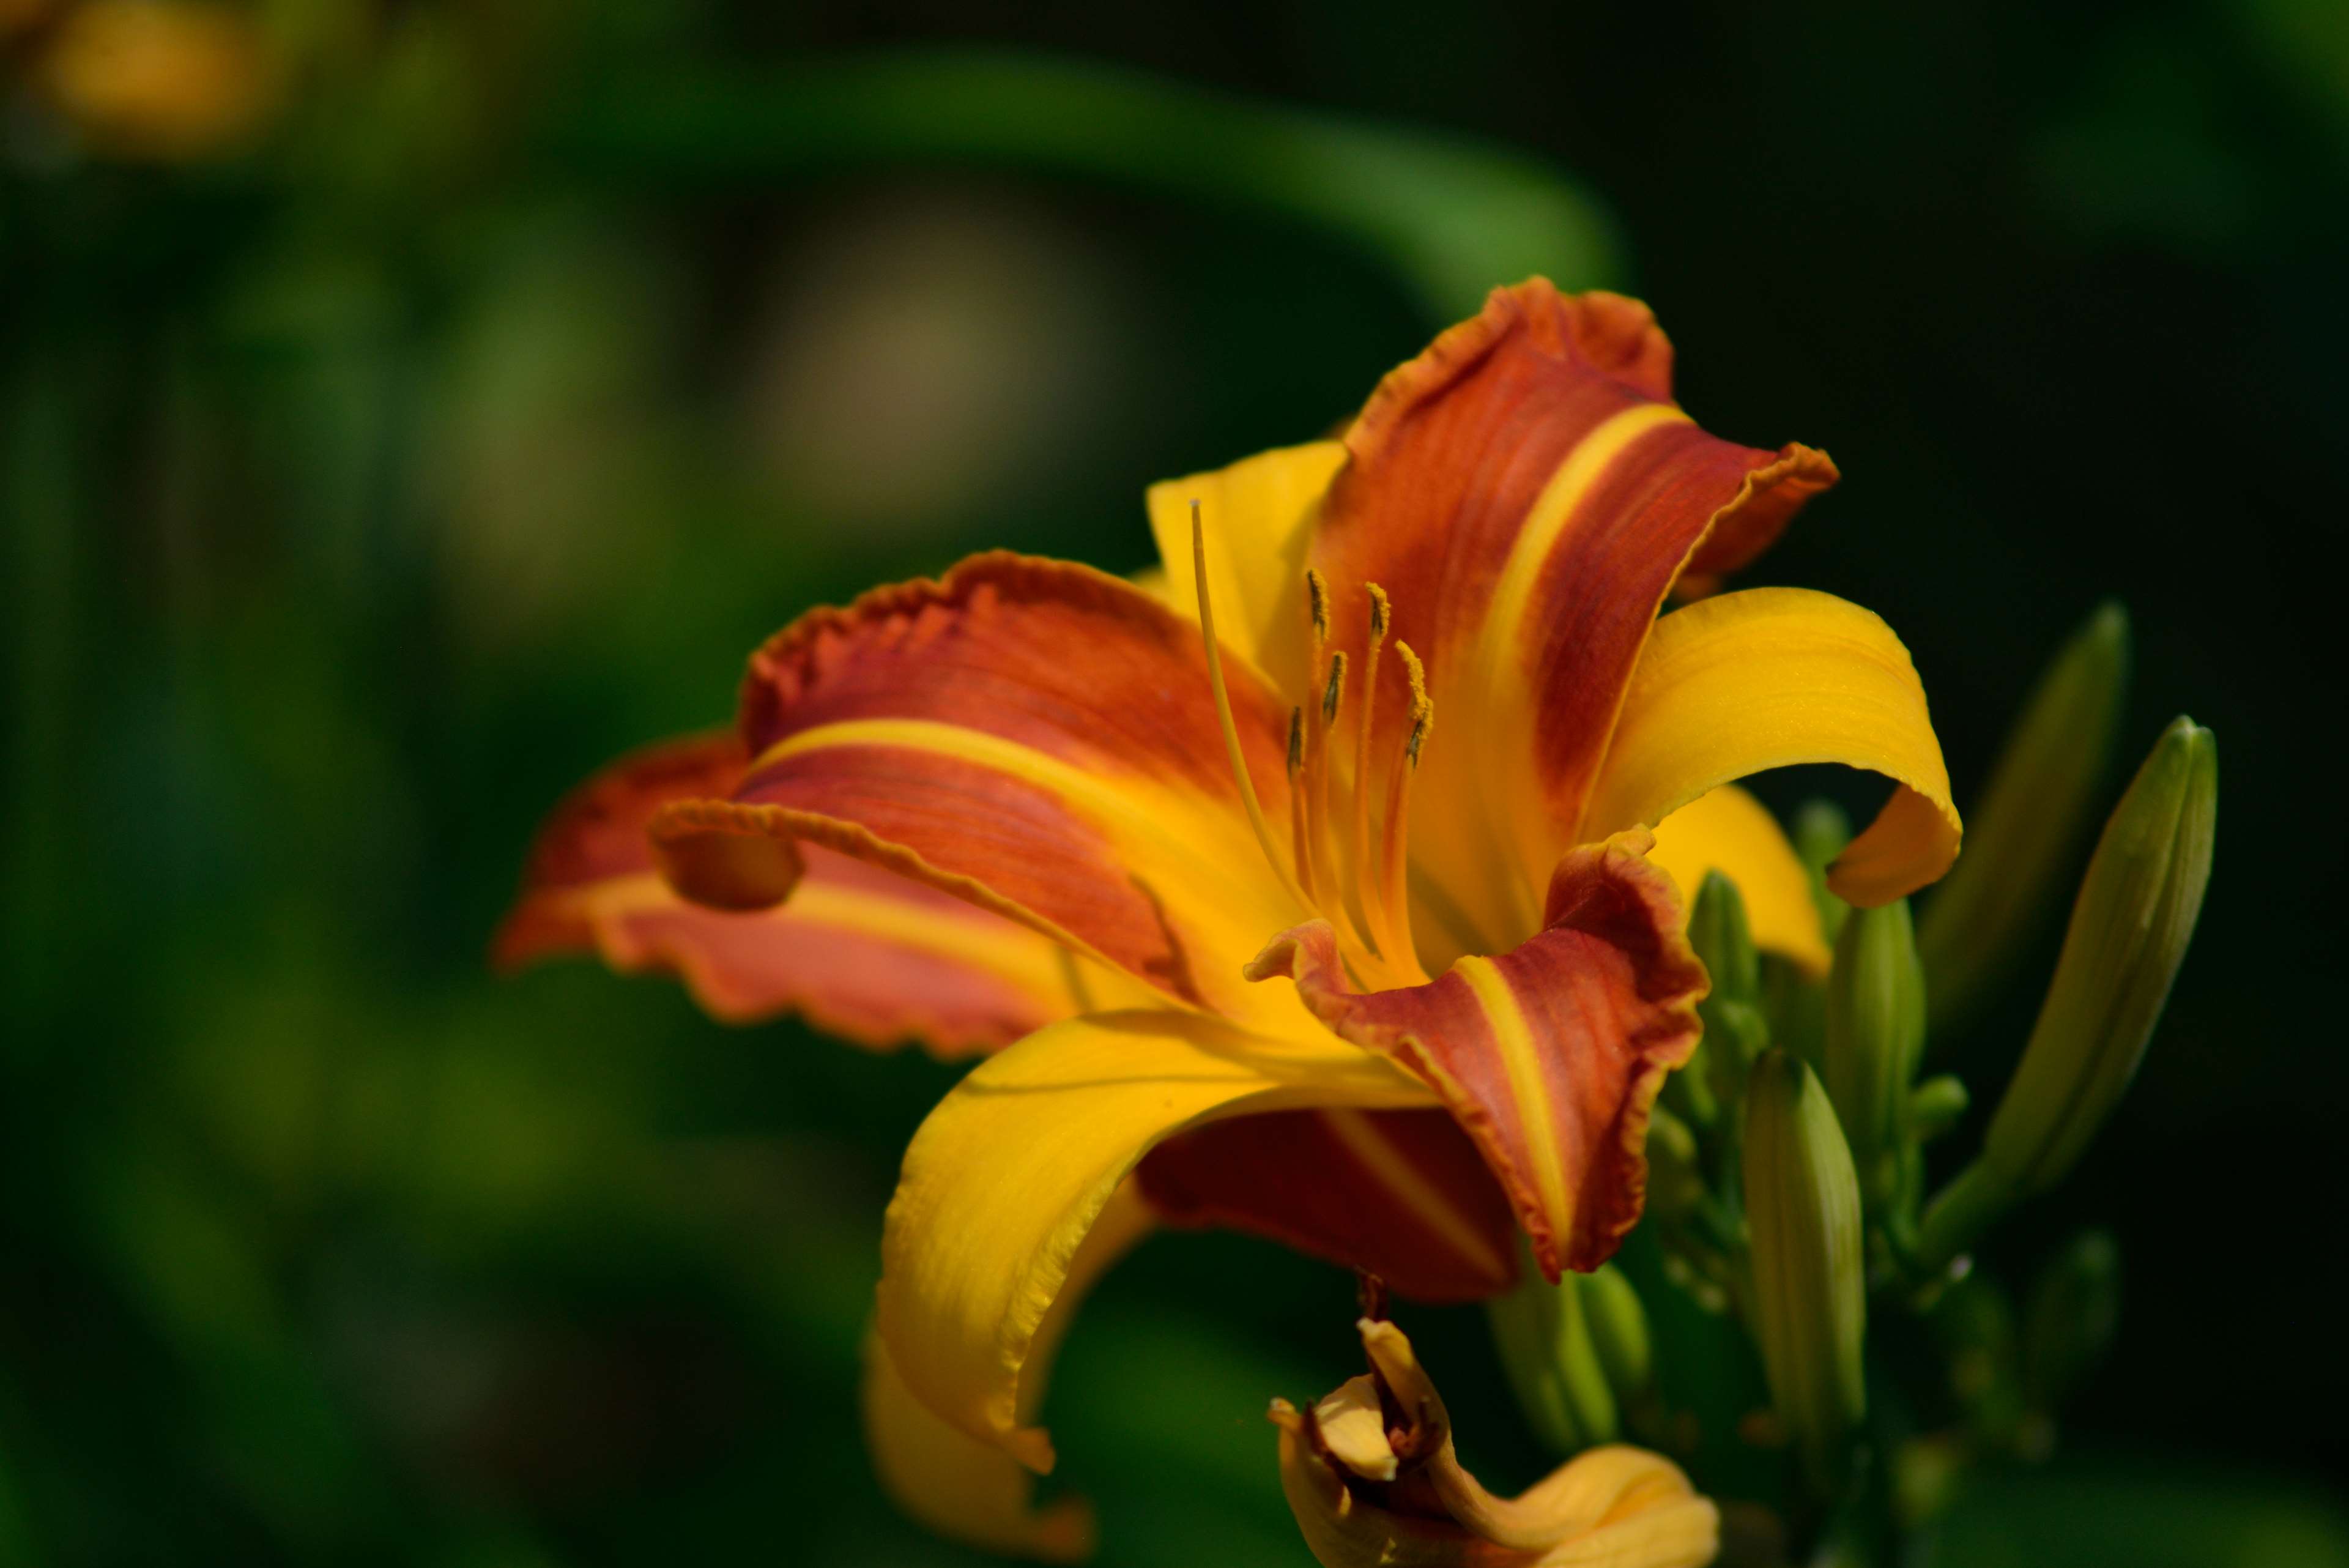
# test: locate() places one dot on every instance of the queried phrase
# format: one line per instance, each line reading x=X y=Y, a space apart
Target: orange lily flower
x=1330 y=894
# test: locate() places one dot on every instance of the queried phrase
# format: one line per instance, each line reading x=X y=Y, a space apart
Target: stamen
x=1359 y=874
x=1394 y=894
x=1231 y=752
x=1317 y=599
x=1300 y=814
x=1315 y=787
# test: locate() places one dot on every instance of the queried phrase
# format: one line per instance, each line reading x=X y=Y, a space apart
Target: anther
x=1296 y=741
x=1332 y=693
x=1317 y=597
x=1377 y=614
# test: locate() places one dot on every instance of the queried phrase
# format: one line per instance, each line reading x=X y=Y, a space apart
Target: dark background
x=367 y=486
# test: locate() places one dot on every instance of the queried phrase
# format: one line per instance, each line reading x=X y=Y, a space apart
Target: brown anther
x=1317 y=596
x=1379 y=613
x=1296 y=741
x=1336 y=690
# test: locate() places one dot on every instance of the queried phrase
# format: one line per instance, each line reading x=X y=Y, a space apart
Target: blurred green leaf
x=2133 y=1513
x=1453 y=216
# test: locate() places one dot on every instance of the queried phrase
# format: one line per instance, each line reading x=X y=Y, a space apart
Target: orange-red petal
x=1035 y=737
x=1526 y=492
x=1402 y=1194
x=1551 y=1055
x=861 y=953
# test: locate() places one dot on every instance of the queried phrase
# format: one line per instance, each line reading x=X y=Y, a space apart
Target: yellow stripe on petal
x=1728 y=831
x=1522 y=1063
x=1258 y=517
x=1204 y=875
x=1010 y=1173
x=1766 y=679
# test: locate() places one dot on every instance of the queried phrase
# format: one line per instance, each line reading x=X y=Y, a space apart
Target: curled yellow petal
x=957 y=1485
x=1766 y=679
x=1009 y=1176
x=1728 y=831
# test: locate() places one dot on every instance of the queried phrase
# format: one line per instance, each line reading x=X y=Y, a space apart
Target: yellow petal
x=1766 y=679
x=1005 y=1180
x=959 y=1487
x=1257 y=515
x=1728 y=831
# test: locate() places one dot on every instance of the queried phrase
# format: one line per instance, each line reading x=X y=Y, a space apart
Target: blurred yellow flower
x=147 y=78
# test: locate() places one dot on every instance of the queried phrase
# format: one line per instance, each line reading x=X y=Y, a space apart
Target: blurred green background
x=408 y=405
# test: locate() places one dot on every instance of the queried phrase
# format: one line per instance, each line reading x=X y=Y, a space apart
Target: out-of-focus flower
x=157 y=78
x=16 y=15
x=1373 y=1478
x=1117 y=814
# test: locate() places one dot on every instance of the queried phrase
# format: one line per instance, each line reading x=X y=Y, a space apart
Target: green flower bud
x=1935 y=1106
x=1735 y=1032
x=1875 y=1037
x=1576 y=1353
x=2075 y=1309
x=1809 y=1298
x=1821 y=832
x=2129 y=932
x=1675 y=1178
x=2023 y=834
x=1724 y=941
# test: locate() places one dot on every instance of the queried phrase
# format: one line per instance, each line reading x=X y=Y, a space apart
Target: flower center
x=1328 y=866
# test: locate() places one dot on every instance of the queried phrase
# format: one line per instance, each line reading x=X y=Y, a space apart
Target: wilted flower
x=1374 y=1483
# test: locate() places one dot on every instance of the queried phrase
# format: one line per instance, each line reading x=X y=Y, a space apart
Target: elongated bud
x=1619 y=1329
x=1935 y=1106
x=1875 y=1037
x=1735 y=1032
x=1576 y=1354
x=2129 y=932
x=1821 y=832
x=1675 y=1178
x=1723 y=940
x=2025 y=832
x=1810 y=1305
x=1544 y=1333
x=2075 y=1309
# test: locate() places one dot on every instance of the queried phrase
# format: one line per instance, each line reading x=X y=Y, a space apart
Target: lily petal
x=861 y=953
x=1400 y=1194
x=1035 y=737
x=1257 y=516
x=1013 y=1168
x=1527 y=492
x=1728 y=831
x=1768 y=678
x=1551 y=1055
x=972 y=1491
